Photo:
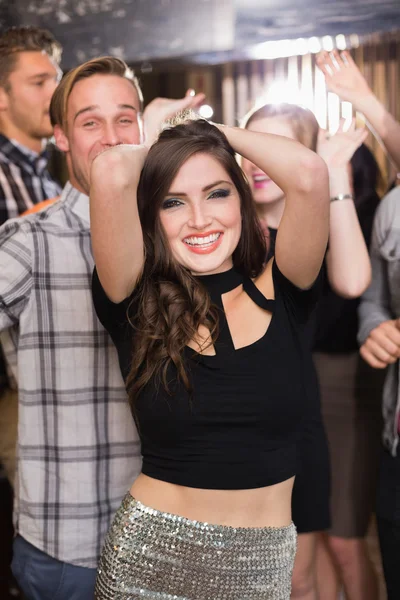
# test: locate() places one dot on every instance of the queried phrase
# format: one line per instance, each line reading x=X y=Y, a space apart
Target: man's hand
x=161 y=109
x=343 y=77
x=382 y=347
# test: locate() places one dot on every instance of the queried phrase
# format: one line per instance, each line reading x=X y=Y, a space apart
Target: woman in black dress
x=215 y=374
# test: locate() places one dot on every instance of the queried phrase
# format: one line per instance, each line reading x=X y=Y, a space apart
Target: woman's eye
x=171 y=203
x=219 y=194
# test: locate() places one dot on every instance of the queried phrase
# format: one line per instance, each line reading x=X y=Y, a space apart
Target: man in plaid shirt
x=77 y=447
x=29 y=73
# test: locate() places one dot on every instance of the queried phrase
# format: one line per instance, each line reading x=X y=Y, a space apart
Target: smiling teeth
x=202 y=241
x=260 y=177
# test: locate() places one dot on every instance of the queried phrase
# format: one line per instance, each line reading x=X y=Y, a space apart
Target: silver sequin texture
x=153 y=555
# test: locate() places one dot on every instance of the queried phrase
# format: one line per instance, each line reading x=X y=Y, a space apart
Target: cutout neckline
x=218 y=285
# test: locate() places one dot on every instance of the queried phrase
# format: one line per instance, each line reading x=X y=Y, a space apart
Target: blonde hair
x=105 y=65
x=302 y=120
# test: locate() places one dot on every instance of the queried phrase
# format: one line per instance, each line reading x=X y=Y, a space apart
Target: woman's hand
x=117 y=238
x=161 y=109
x=119 y=166
x=343 y=77
x=337 y=150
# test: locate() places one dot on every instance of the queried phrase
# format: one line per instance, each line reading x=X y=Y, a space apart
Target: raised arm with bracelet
x=348 y=278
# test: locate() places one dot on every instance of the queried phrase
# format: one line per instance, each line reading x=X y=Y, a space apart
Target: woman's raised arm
x=303 y=177
x=347 y=260
x=116 y=231
x=114 y=219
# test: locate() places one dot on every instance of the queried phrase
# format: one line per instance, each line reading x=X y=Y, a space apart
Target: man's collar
x=30 y=154
x=76 y=201
x=19 y=154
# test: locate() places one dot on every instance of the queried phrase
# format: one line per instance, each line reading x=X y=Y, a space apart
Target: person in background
x=379 y=338
x=350 y=394
x=310 y=501
x=349 y=278
x=77 y=446
x=29 y=73
x=345 y=79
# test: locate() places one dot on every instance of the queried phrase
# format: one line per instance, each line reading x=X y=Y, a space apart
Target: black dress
x=241 y=427
x=311 y=492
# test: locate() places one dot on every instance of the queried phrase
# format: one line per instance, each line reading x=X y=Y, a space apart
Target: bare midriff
x=261 y=507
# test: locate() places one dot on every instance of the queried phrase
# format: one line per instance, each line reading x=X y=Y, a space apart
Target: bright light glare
x=327 y=43
x=205 y=111
x=300 y=46
x=272 y=49
x=320 y=107
x=314 y=45
x=341 y=42
x=285 y=92
x=333 y=113
x=347 y=114
x=279 y=48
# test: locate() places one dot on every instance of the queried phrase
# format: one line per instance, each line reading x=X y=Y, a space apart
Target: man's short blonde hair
x=105 y=65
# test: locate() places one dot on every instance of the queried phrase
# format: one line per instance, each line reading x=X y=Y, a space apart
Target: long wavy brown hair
x=170 y=304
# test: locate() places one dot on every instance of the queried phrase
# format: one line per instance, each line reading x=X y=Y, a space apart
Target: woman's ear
x=61 y=139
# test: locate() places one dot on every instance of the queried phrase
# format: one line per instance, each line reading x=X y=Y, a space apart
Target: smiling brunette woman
x=208 y=338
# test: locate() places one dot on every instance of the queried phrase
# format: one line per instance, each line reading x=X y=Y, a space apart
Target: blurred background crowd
x=315 y=71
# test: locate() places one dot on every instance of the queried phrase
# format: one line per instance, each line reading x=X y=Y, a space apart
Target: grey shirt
x=381 y=302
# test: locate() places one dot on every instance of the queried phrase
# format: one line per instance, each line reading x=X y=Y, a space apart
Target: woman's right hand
x=118 y=166
x=117 y=238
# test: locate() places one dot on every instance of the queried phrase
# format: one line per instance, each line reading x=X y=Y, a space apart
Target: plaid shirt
x=78 y=450
x=24 y=179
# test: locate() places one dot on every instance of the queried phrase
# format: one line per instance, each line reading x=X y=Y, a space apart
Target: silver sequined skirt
x=159 y=556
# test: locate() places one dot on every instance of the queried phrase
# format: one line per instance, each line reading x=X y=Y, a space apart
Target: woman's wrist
x=374 y=112
x=339 y=182
x=339 y=197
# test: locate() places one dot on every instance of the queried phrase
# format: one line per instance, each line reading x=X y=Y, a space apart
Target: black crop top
x=240 y=428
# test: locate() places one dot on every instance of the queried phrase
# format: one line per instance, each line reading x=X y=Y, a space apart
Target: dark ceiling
x=199 y=30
